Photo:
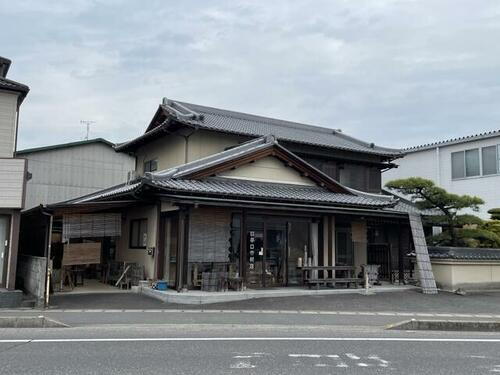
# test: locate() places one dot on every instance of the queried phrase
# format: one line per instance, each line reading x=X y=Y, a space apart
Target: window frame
x=140 y=222
x=479 y=165
x=462 y=153
x=497 y=160
x=481 y=162
x=148 y=165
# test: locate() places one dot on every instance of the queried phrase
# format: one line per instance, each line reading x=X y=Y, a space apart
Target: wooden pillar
x=243 y=247
x=400 y=255
x=159 y=255
x=15 y=220
x=182 y=249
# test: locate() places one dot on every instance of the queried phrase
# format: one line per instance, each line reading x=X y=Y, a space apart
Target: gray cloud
x=396 y=73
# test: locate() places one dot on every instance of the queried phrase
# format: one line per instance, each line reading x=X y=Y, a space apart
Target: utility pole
x=87 y=123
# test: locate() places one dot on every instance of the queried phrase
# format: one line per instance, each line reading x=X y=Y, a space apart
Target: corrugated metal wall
x=67 y=173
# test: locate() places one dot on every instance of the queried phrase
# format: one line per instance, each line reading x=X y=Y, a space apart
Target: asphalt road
x=244 y=349
x=131 y=334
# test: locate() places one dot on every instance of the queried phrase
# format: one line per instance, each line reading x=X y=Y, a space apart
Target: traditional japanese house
x=251 y=196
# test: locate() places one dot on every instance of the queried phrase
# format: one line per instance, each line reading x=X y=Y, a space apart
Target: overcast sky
x=397 y=73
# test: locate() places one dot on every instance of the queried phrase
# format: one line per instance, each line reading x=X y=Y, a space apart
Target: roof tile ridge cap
x=285 y=124
x=245 y=115
x=165 y=174
x=170 y=105
x=465 y=137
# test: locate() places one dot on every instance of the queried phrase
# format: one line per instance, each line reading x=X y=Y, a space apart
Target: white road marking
x=332 y=356
x=383 y=362
x=309 y=312
x=351 y=356
x=242 y=364
x=305 y=355
x=167 y=339
x=342 y=364
x=360 y=364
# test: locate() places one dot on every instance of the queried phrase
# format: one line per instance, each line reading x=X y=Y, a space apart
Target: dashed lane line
x=169 y=339
x=296 y=312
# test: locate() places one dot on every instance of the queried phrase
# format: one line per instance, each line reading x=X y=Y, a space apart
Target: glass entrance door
x=266 y=248
x=4 y=245
x=298 y=247
x=255 y=256
x=274 y=254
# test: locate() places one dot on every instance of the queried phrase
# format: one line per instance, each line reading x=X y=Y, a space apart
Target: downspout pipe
x=438 y=166
x=186 y=146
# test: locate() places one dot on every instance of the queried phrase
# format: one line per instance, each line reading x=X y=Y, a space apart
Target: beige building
x=246 y=199
x=12 y=177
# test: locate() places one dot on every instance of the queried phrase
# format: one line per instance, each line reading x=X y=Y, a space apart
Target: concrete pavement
x=407 y=301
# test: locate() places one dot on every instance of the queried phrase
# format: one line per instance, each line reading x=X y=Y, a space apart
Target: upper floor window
x=150 y=165
x=465 y=164
x=490 y=160
x=138 y=234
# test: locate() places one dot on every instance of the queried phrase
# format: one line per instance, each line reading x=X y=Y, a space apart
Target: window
x=465 y=164
x=457 y=165
x=138 y=233
x=490 y=160
x=472 y=166
x=150 y=165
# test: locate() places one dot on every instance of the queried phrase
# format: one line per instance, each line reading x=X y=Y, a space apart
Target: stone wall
x=31 y=276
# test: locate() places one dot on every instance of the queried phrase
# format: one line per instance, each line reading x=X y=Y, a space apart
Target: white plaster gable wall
x=425 y=164
x=268 y=169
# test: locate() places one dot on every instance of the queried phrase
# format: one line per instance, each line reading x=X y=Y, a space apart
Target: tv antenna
x=87 y=123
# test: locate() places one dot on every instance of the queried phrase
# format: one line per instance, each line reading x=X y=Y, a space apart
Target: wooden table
x=308 y=278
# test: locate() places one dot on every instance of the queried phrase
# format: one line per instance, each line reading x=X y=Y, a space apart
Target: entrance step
x=424 y=268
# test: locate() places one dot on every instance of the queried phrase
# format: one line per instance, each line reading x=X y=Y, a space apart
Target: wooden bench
x=310 y=280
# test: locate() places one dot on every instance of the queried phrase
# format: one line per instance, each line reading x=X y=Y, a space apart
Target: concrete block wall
x=31 y=274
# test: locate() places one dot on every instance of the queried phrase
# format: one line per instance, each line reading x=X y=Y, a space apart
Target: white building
x=12 y=180
x=468 y=165
x=65 y=171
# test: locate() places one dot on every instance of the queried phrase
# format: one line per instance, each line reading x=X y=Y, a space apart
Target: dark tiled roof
x=179 y=180
x=404 y=205
x=7 y=84
x=226 y=121
x=454 y=141
x=463 y=253
x=268 y=191
x=65 y=145
x=102 y=194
